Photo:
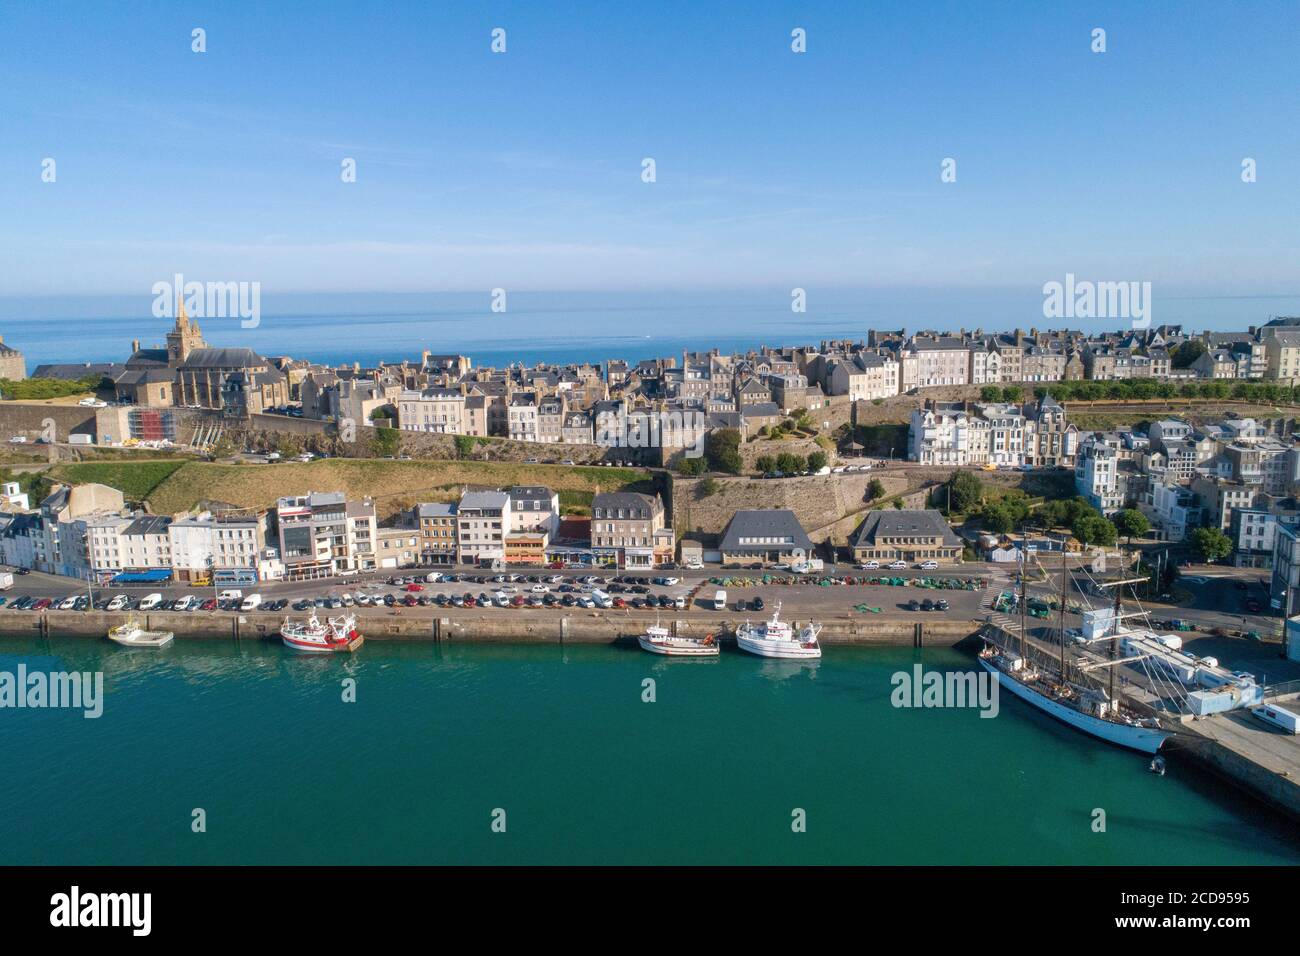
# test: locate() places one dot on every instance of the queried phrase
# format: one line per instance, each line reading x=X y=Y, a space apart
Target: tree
x=788 y=463
x=1187 y=353
x=765 y=464
x=385 y=443
x=722 y=449
x=1132 y=523
x=817 y=460
x=990 y=393
x=464 y=445
x=1211 y=543
x=963 y=492
x=875 y=489
x=1012 y=393
x=708 y=486
x=689 y=467
x=1093 y=529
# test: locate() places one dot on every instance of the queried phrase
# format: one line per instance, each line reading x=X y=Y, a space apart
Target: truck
x=809 y=566
x=720 y=601
x=6 y=580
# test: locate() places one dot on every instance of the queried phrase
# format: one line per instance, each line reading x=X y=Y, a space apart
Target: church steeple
x=186 y=337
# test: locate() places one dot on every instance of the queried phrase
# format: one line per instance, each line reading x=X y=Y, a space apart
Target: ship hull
x=683 y=649
x=785 y=650
x=1145 y=740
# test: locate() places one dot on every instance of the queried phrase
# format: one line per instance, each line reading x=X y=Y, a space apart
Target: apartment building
x=482 y=522
x=1097 y=476
x=927 y=362
x=1282 y=354
x=323 y=534
x=947 y=433
x=436 y=523
x=522 y=417
x=629 y=528
x=436 y=410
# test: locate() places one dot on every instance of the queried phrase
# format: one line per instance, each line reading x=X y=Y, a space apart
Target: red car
x=209 y=605
x=415 y=587
x=42 y=604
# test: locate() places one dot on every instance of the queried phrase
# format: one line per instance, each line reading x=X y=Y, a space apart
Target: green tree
x=1012 y=393
x=464 y=445
x=875 y=489
x=1211 y=543
x=1187 y=353
x=961 y=493
x=1093 y=529
x=385 y=442
x=765 y=464
x=990 y=393
x=817 y=460
x=1132 y=523
x=707 y=487
x=788 y=463
x=690 y=467
x=722 y=449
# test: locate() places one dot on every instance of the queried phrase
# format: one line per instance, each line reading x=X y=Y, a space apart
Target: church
x=189 y=373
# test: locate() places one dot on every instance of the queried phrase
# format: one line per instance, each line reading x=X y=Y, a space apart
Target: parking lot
x=536 y=591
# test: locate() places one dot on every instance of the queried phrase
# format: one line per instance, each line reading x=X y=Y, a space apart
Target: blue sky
x=522 y=170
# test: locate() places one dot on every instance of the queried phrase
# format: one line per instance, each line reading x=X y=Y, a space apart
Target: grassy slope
x=393 y=485
x=134 y=479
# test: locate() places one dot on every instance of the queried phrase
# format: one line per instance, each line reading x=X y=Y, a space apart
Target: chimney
x=135 y=346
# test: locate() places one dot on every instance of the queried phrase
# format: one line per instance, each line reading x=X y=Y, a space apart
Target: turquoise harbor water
x=586 y=772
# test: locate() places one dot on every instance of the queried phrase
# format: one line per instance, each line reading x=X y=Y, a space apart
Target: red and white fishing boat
x=776 y=638
x=313 y=636
x=657 y=640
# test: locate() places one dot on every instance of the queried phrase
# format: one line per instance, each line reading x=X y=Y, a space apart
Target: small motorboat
x=1158 y=765
x=131 y=634
x=332 y=635
x=657 y=640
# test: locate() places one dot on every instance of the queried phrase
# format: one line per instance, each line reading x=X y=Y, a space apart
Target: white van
x=251 y=602
x=119 y=602
x=230 y=596
x=720 y=601
x=150 y=602
x=185 y=603
x=432 y=577
x=601 y=598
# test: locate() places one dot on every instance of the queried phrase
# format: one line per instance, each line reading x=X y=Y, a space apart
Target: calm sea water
x=566 y=327
x=586 y=771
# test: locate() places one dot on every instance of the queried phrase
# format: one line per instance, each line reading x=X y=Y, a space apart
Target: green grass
x=134 y=479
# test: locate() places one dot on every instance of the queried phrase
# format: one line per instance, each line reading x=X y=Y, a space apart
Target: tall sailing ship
x=1076 y=702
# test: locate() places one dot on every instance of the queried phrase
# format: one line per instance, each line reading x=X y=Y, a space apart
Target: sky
x=523 y=170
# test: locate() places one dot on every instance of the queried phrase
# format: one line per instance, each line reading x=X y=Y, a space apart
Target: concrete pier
x=496 y=625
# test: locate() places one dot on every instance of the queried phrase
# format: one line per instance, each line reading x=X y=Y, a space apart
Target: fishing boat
x=332 y=635
x=131 y=634
x=776 y=638
x=657 y=640
x=1071 y=699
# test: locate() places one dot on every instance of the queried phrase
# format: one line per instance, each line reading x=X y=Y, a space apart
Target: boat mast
x=1024 y=570
x=1114 y=628
x=1062 y=616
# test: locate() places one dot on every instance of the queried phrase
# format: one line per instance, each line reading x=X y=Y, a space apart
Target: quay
x=531 y=626
x=1233 y=746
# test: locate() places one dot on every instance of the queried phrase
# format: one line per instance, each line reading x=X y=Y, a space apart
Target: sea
x=213 y=752
x=564 y=327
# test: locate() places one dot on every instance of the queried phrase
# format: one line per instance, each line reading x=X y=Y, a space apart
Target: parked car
x=898 y=566
x=929 y=565
x=869 y=566
x=914 y=605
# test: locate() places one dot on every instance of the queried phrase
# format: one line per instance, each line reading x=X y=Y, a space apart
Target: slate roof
x=896 y=524
x=778 y=524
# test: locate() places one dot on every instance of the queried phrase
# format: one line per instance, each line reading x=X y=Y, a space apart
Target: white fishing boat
x=657 y=640
x=776 y=638
x=131 y=634
x=332 y=635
